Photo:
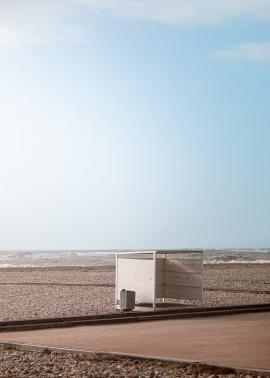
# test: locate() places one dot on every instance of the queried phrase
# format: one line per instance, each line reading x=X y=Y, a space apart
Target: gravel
x=230 y=284
x=58 y=292
x=48 y=292
x=19 y=364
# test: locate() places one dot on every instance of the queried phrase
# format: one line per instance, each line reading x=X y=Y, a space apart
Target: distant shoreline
x=92 y=258
x=109 y=267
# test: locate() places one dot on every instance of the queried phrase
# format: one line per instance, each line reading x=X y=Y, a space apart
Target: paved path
x=235 y=340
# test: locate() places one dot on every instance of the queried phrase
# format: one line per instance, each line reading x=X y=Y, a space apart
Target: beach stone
x=28 y=293
x=28 y=364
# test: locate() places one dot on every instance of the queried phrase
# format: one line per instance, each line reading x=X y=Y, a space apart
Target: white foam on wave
x=236 y=262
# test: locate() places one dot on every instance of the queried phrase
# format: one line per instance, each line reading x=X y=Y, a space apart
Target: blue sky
x=134 y=124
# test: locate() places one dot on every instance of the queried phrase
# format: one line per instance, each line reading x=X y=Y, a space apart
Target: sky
x=134 y=124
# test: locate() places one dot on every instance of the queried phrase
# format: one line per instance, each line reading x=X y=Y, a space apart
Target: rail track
x=134 y=316
x=56 y=284
x=112 y=285
x=232 y=290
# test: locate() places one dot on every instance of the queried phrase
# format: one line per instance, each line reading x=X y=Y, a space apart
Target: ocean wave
x=236 y=262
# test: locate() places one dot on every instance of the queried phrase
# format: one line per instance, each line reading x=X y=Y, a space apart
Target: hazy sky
x=134 y=123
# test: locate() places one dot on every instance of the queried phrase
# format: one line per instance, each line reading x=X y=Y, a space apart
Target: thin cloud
x=259 y=52
x=182 y=12
x=35 y=22
x=31 y=22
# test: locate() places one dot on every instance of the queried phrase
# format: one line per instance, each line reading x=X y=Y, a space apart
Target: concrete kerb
x=90 y=354
x=114 y=318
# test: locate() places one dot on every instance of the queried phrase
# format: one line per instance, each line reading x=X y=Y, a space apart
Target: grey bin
x=127 y=300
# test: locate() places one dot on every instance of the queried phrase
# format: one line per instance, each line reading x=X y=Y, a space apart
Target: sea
x=88 y=258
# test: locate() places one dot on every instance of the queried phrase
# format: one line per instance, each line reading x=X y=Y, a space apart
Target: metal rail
x=112 y=318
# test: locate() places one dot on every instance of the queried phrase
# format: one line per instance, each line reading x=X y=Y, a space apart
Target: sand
x=54 y=292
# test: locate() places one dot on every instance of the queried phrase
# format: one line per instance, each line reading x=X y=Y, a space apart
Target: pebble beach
x=27 y=293
x=14 y=363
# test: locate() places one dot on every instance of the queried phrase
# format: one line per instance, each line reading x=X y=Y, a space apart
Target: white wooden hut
x=160 y=274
